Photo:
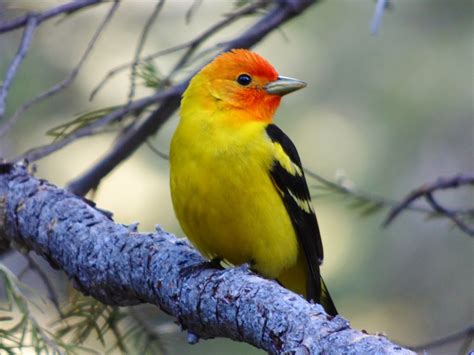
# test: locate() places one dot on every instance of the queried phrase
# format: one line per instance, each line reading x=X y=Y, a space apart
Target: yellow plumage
x=222 y=188
x=221 y=156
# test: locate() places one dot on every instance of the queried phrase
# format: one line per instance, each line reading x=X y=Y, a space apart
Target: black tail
x=326 y=300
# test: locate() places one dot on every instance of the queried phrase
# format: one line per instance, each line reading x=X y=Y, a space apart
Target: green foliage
x=81 y=121
x=152 y=78
x=83 y=320
x=19 y=329
x=140 y=335
x=84 y=316
x=116 y=328
x=364 y=203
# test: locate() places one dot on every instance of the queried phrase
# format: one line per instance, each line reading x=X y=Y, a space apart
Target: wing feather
x=288 y=177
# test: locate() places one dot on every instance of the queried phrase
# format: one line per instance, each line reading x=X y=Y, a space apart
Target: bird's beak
x=283 y=86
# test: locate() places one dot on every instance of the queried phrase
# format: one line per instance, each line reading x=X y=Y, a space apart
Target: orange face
x=238 y=80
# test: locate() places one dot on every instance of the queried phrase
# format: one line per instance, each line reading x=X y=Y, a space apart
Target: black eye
x=244 y=79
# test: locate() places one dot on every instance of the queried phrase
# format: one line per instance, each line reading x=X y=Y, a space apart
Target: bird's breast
x=224 y=198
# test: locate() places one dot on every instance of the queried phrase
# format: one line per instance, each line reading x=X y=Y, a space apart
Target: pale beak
x=283 y=86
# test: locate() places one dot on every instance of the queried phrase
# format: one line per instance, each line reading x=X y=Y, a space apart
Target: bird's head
x=244 y=81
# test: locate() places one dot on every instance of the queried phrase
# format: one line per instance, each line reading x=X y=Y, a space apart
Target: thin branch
x=155 y=150
x=192 y=9
x=340 y=187
x=344 y=189
x=28 y=33
x=67 y=8
x=66 y=81
x=466 y=333
x=284 y=11
x=245 y=11
x=450 y=214
x=111 y=322
x=137 y=105
x=141 y=44
x=194 y=44
x=132 y=139
x=426 y=191
x=377 y=19
x=34 y=325
x=123 y=67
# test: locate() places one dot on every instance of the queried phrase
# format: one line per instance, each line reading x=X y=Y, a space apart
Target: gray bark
x=119 y=266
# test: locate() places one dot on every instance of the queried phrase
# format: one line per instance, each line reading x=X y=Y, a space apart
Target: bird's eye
x=244 y=79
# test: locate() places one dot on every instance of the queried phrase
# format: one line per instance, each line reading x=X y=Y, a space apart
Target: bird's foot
x=206 y=265
x=215 y=263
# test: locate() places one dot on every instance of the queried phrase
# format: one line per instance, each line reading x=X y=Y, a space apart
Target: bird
x=237 y=183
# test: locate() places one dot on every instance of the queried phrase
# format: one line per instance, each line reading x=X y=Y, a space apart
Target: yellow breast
x=223 y=195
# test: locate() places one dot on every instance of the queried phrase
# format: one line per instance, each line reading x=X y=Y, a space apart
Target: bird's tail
x=326 y=300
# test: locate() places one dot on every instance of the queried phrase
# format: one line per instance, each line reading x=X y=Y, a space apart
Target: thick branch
x=120 y=266
x=137 y=105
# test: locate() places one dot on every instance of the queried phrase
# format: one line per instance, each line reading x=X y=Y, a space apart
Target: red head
x=244 y=81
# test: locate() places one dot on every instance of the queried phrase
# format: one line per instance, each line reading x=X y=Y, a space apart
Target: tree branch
x=378 y=14
x=141 y=44
x=67 y=8
x=137 y=105
x=28 y=33
x=120 y=266
x=427 y=191
x=127 y=144
x=5 y=128
x=191 y=45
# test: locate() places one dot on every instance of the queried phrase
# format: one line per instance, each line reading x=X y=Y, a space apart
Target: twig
x=155 y=150
x=141 y=44
x=247 y=10
x=194 y=43
x=66 y=81
x=67 y=8
x=192 y=9
x=361 y=195
x=467 y=333
x=111 y=322
x=427 y=191
x=132 y=139
x=371 y=198
x=25 y=308
x=42 y=151
x=450 y=214
x=377 y=19
x=283 y=12
x=28 y=33
x=122 y=67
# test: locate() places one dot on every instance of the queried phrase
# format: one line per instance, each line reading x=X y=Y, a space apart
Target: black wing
x=291 y=184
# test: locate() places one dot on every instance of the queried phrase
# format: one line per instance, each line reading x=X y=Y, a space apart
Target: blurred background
x=388 y=112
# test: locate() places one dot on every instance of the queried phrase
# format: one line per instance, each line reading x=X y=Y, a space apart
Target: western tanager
x=237 y=184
